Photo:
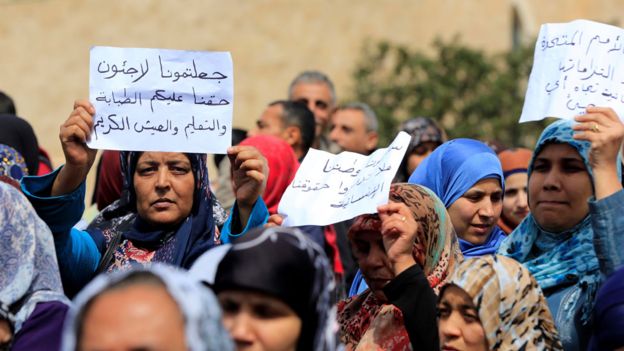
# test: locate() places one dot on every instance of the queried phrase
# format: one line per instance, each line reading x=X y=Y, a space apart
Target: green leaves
x=470 y=93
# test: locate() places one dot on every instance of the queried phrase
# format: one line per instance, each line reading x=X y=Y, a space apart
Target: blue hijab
x=557 y=260
x=194 y=236
x=451 y=170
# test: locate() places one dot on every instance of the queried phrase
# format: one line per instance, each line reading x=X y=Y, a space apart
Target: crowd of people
x=476 y=249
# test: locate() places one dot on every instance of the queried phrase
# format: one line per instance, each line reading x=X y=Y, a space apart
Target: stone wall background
x=45 y=43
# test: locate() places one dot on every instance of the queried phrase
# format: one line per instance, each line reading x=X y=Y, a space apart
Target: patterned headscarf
x=422 y=130
x=558 y=259
x=194 y=236
x=283 y=263
x=12 y=166
x=29 y=272
x=511 y=306
x=198 y=305
x=363 y=317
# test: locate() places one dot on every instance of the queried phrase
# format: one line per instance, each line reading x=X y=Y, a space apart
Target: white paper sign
x=161 y=100
x=332 y=188
x=576 y=64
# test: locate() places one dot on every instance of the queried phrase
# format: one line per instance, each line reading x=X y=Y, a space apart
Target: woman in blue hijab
x=572 y=238
x=467 y=176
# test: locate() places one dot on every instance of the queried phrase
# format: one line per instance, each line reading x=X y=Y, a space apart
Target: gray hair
x=372 y=125
x=313 y=77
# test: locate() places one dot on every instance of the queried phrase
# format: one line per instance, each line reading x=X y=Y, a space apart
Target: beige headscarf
x=512 y=307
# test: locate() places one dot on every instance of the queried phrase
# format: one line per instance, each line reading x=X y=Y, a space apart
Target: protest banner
x=332 y=188
x=576 y=65
x=161 y=100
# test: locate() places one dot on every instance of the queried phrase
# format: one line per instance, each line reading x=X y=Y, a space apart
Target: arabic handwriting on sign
x=159 y=96
x=153 y=129
x=562 y=40
x=104 y=67
x=188 y=73
x=198 y=127
x=305 y=186
x=337 y=167
x=121 y=100
x=114 y=124
x=200 y=100
x=599 y=41
x=351 y=199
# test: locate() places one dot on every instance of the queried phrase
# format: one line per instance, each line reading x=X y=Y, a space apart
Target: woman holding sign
x=407 y=252
x=573 y=237
x=165 y=213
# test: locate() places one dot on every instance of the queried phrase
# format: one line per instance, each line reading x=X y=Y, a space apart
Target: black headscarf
x=18 y=134
x=284 y=263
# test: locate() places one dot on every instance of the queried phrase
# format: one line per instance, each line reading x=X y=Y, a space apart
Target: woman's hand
x=79 y=158
x=275 y=220
x=398 y=230
x=249 y=176
x=602 y=127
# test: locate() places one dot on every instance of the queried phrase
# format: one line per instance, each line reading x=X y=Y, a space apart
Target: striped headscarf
x=511 y=306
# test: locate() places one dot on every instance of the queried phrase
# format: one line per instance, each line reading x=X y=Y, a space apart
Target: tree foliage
x=469 y=93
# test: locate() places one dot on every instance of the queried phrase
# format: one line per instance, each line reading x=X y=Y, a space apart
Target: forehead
x=351 y=117
x=367 y=235
x=487 y=185
x=272 y=113
x=316 y=90
x=557 y=151
x=456 y=296
x=163 y=157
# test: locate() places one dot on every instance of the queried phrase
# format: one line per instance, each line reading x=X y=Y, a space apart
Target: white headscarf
x=29 y=272
x=200 y=308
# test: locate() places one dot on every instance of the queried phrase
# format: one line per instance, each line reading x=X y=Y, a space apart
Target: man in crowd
x=288 y=120
x=315 y=90
x=353 y=127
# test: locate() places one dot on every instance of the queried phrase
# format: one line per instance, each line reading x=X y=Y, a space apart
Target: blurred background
x=462 y=62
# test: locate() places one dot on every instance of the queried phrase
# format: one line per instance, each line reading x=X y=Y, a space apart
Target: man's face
x=270 y=122
x=318 y=98
x=348 y=130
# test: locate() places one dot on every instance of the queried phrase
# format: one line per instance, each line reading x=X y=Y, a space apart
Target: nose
x=162 y=180
x=375 y=258
x=521 y=199
x=487 y=208
x=252 y=132
x=240 y=327
x=333 y=134
x=552 y=180
x=449 y=328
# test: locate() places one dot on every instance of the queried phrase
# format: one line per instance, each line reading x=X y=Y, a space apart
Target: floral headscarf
x=558 y=259
x=30 y=272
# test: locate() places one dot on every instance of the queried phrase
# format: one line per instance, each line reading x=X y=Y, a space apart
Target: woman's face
x=475 y=213
x=515 y=205
x=138 y=317
x=164 y=187
x=419 y=154
x=559 y=188
x=371 y=256
x=459 y=326
x=259 y=322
